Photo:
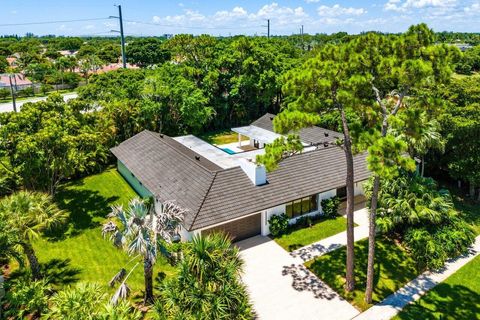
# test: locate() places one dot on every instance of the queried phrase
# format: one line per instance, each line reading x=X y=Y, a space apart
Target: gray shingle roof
x=213 y=195
x=233 y=195
x=168 y=169
x=312 y=135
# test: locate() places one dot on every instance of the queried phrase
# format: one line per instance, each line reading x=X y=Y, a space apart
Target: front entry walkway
x=279 y=285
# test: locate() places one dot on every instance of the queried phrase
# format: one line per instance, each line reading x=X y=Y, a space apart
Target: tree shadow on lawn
x=87 y=209
x=393 y=269
x=304 y=280
x=445 y=301
x=58 y=272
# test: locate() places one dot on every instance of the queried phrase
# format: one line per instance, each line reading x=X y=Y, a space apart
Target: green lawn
x=221 y=137
x=393 y=269
x=456 y=298
x=300 y=237
x=79 y=252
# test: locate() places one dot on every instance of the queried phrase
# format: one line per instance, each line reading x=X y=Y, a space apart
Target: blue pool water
x=229 y=151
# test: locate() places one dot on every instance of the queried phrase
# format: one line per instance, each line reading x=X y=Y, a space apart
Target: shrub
x=4 y=93
x=278 y=224
x=26 y=299
x=305 y=221
x=45 y=88
x=432 y=247
x=330 y=206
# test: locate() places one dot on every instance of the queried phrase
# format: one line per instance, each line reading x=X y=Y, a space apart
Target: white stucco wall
x=358 y=188
x=188 y=235
x=267 y=214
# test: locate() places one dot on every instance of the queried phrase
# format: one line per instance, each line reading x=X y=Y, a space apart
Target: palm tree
x=208 y=284
x=75 y=303
x=9 y=244
x=421 y=133
x=29 y=215
x=412 y=200
x=142 y=230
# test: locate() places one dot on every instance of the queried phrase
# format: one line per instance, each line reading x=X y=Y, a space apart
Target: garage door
x=239 y=229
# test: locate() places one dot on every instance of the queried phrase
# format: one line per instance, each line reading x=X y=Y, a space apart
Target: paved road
x=8 y=106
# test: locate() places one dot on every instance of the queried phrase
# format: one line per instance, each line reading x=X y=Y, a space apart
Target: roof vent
x=325 y=144
x=271 y=118
x=326 y=134
x=197 y=158
x=161 y=135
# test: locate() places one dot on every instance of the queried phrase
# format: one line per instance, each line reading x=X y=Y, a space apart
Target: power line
x=189 y=27
x=50 y=22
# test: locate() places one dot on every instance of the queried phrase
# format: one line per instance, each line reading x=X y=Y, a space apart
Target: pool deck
x=216 y=154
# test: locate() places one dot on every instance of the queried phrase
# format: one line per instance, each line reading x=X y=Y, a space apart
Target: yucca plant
x=141 y=231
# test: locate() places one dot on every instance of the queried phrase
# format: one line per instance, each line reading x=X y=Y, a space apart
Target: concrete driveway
x=280 y=287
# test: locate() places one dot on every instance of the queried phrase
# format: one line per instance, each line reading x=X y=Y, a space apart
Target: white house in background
x=224 y=189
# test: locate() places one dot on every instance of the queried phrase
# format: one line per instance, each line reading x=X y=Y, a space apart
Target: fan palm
x=141 y=232
x=412 y=200
x=29 y=215
x=208 y=284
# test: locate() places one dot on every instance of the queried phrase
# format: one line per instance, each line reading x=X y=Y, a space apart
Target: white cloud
x=337 y=10
x=473 y=9
x=312 y=1
x=238 y=16
x=399 y=6
x=235 y=13
x=89 y=27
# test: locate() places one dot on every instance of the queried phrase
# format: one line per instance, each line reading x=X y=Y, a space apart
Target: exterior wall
x=188 y=235
x=358 y=188
x=267 y=214
x=132 y=180
x=282 y=209
x=326 y=195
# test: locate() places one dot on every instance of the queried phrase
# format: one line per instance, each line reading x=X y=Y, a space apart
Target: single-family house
x=224 y=189
x=19 y=81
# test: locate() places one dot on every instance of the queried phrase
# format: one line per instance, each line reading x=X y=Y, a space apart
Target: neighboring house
x=463 y=46
x=12 y=61
x=19 y=81
x=68 y=53
x=224 y=189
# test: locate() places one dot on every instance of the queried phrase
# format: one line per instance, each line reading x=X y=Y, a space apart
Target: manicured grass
x=456 y=298
x=221 y=137
x=394 y=267
x=79 y=252
x=321 y=229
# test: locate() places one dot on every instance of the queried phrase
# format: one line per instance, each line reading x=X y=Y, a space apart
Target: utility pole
x=301 y=33
x=122 y=36
x=268 y=29
x=13 y=93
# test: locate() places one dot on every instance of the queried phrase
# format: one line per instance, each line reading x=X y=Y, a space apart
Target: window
x=342 y=193
x=301 y=206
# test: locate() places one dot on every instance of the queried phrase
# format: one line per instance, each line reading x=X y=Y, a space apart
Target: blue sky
x=224 y=17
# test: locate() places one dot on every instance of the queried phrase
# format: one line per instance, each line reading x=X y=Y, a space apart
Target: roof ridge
x=204 y=199
x=155 y=135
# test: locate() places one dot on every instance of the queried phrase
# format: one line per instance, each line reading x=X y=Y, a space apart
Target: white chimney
x=255 y=172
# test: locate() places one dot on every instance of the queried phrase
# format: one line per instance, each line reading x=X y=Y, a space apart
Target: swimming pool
x=229 y=151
